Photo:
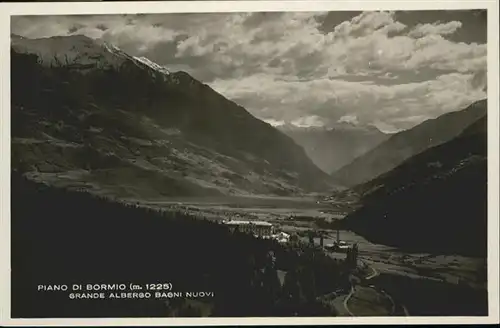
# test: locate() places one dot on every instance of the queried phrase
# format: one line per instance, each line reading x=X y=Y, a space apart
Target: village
x=266 y=230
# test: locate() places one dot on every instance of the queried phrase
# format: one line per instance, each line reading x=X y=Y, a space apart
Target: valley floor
x=412 y=271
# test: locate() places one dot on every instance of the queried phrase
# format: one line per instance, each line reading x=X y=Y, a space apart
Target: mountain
x=406 y=144
x=88 y=115
x=435 y=201
x=333 y=147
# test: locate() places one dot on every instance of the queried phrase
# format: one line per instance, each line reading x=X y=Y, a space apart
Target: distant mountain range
x=403 y=145
x=87 y=115
x=435 y=201
x=330 y=148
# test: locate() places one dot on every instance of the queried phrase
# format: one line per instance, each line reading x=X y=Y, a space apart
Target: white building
x=282 y=237
x=258 y=228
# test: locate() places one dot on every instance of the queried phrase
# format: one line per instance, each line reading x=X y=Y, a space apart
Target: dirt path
x=347 y=300
x=393 y=305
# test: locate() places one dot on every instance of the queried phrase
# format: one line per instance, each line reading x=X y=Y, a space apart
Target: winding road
x=374 y=274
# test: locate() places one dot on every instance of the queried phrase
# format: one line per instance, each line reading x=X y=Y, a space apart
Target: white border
x=8 y=9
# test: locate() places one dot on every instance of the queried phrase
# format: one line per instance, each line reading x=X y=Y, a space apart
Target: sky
x=392 y=70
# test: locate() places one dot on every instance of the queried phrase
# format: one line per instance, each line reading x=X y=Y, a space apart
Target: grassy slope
x=136 y=120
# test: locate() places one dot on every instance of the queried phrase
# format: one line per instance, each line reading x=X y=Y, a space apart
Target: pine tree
x=291 y=287
x=311 y=238
x=307 y=281
x=271 y=288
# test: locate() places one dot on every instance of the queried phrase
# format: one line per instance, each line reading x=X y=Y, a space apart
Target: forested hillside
x=435 y=201
x=64 y=237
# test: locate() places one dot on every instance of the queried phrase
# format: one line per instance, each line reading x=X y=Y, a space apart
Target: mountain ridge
x=402 y=145
x=332 y=147
x=167 y=125
x=440 y=191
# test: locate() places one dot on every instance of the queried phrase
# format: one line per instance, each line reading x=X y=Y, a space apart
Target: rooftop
x=239 y=222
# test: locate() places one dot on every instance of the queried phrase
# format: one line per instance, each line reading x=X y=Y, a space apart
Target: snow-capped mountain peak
x=143 y=60
x=153 y=65
x=112 y=48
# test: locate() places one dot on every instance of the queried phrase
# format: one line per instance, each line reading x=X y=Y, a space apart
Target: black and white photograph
x=250 y=164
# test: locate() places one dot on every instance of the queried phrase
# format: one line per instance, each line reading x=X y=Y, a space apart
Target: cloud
x=122 y=30
x=299 y=66
x=143 y=36
x=328 y=101
x=294 y=44
x=308 y=121
x=368 y=23
x=436 y=52
x=351 y=119
x=422 y=30
x=291 y=44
